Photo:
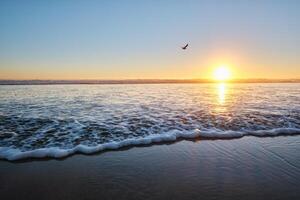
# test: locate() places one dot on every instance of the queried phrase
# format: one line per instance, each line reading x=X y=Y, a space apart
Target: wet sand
x=246 y=168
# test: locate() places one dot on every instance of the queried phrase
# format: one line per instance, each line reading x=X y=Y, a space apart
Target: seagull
x=184 y=48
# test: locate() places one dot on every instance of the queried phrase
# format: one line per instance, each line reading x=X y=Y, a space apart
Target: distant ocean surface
x=39 y=121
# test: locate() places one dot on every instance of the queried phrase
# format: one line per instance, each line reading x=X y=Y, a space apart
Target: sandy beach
x=246 y=168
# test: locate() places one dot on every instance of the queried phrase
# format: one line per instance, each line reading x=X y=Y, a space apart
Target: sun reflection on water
x=221 y=92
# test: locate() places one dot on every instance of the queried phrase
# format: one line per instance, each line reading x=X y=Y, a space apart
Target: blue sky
x=142 y=39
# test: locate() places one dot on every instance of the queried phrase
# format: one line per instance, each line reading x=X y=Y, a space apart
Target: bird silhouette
x=184 y=48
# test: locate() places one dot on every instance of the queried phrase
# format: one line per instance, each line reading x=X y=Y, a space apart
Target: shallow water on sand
x=246 y=168
x=59 y=120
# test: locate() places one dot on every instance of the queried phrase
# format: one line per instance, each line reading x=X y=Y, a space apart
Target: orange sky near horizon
x=239 y=69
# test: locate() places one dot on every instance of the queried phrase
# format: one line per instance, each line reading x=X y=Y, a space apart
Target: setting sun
x=221 y=73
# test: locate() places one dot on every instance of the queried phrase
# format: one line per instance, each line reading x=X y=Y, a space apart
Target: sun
x=221 y=73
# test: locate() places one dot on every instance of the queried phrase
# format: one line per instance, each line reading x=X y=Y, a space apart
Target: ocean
x=38 y=121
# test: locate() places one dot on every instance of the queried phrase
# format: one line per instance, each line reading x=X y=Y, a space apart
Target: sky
x=133 y=39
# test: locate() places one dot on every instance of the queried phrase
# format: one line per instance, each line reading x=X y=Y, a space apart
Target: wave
x=12 y=154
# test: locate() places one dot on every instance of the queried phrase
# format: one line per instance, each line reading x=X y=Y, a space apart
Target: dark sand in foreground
x=246 y=168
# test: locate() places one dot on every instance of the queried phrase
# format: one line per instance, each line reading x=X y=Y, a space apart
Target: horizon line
x=139 y=81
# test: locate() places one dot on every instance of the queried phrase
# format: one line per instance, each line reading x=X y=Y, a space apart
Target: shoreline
x=126 y=148
x=9 y=154
x=248 y=168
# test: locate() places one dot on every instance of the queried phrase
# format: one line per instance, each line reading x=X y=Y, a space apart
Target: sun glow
x=221 y=73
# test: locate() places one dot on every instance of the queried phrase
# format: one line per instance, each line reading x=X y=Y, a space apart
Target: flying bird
x=184 y=48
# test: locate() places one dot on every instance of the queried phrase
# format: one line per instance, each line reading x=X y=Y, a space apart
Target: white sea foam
x=11 y=154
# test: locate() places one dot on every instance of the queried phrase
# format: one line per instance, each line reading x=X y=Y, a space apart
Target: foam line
x=11 y=154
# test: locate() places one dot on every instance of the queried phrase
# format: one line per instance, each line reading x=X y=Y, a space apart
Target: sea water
x=39 y=121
